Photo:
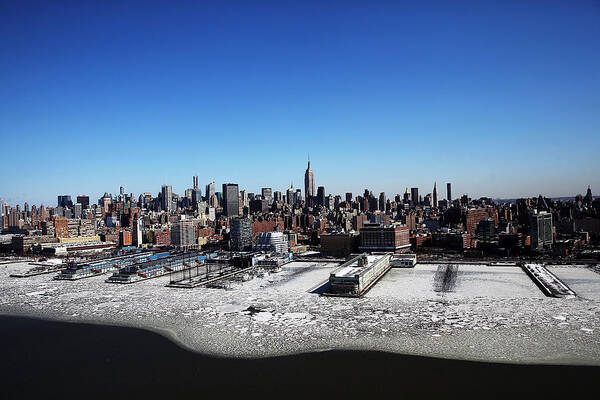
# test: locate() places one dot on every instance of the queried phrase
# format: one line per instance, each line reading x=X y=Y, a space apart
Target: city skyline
x=195 y=177
x=247 y=197
x=501 y=101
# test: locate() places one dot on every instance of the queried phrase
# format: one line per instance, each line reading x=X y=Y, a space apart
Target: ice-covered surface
x=472 y=281
x=584 y=281
x=492 y=313
x=549 y=280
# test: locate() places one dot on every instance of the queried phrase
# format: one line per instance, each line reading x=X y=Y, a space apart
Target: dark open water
x=42 y=360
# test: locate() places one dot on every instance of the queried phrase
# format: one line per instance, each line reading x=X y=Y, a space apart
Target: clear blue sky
x=500 y=98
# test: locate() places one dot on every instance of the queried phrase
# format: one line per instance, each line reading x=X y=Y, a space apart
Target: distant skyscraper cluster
x=341 y=224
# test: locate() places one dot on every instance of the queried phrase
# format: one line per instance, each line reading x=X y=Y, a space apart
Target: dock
x=356 y=276
x=548 y=283
x=77 y=271
x=219 y=269
x=153 y=268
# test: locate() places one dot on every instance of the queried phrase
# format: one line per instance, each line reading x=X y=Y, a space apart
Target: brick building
x=384 y=238
x=473 y=216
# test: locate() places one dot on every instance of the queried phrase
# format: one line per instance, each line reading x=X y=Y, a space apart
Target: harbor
x=156 y=267
x=224 y=267
x=76 y=270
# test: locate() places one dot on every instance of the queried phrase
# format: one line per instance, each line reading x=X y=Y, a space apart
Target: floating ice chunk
x=230 y=308
x=263 y=316
x=296 y=315
x=41 y=292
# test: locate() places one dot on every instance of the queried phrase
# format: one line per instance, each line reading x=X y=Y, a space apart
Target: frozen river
x=487 y=313
x=580 y=279
x=472 y=281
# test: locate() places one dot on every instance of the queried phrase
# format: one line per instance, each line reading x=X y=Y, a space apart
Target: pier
x=356 y=276
x=79 y=271
x=548 y=283
x=154 y=268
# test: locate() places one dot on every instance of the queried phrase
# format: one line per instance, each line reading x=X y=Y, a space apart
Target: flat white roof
x=354 y=269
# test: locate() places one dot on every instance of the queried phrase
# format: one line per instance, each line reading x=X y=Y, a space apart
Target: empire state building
x=309 y=184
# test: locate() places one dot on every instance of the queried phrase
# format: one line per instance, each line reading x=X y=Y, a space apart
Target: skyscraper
x=414 y=195
x=77 y=210
x=196 y=197
x=210 y=192
x=138 y=227
x=321 y=195
x=3 y=218
x=84 y=201
x=195 y=179
x=290 y=195
x=449 y=193
x=240 y=234
x=588 y=199
x=64 y=201
x=267 y=194
x=434 y=203
x=381 y=201
x=183 y=235
x=244 y=198
x=166 y=198
x=309 y=184
x=540 y=230
x=231 y=204
x=298 y=196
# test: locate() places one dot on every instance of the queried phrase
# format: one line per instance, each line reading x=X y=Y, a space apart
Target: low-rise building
x=339 y=244
x=275 y=242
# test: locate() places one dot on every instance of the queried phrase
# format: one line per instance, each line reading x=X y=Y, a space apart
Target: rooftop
x=353 y=268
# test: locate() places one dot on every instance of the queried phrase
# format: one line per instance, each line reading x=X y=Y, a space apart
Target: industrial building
x=356 y=276
x=407 y=260
x=274 y=262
